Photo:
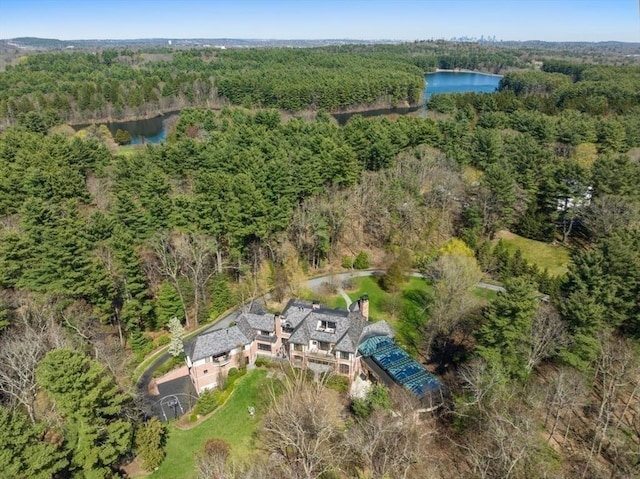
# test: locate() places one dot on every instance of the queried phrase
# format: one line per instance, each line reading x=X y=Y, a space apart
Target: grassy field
x=555 y=258
x=383 y=305
x=231 y=422
x=129 y=150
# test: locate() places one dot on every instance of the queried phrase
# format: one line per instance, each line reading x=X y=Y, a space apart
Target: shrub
x=150 y=442
x=377 y=398
x=347 y=262
x=193 y=417
x=362 y=261
x=162 y=340
x=262 y=362
x=338 y=383
x=207 y=403
x=233 y=372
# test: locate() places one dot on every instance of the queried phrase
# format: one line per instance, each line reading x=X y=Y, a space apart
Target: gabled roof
x=217 y=342
x=304 y=319
x=257 y=322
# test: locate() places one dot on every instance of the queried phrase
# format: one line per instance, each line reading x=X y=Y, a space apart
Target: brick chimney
x=277 y=326
x=363 y=306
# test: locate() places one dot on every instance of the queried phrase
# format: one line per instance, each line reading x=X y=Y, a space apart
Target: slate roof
x=349 y=326
x=381 y=328
x=295 y=312
x=258 y=322
x=216 y=342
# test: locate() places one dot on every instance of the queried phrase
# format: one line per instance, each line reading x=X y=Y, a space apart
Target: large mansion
x=308 y=336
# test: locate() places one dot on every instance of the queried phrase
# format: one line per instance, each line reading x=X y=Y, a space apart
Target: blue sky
x=553 y=20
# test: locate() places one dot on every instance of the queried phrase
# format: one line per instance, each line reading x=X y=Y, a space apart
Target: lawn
x=382 y=305
x=554 y=258
x=231 y=422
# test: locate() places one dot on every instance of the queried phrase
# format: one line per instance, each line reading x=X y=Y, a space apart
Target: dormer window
x=327 y=326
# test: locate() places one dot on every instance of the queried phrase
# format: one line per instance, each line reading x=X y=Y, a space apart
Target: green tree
x=98 y=430
x=503 y=340
x=150 y=441
x=25 y=450
x=168 y=304
x=122 y=137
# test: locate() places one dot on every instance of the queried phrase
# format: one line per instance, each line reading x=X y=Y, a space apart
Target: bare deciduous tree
x=304 y=429
x=616 y=372
x=211 y=461
x=548 y=335
x=187 y=256
x=390 y=443
x=21 y=348
x=566 y=392
x=455 y=279
x=607 y=213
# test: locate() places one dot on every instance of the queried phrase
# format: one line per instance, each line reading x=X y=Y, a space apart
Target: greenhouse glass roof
x=402 y=368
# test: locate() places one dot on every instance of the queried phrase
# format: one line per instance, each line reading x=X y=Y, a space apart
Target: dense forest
x=84 y=86
x=100 y=246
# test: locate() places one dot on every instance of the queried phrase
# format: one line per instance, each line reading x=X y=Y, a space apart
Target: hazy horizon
x=401 y=20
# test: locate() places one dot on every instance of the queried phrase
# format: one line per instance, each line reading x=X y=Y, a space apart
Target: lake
x=460 y=82
x=150 y=130
x=154 y=130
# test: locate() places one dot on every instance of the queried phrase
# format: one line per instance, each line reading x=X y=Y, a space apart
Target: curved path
x=314 y=284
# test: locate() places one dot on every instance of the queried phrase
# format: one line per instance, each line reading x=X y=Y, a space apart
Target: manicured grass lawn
x=555 y=258
x=231 y=422
x=383 y=305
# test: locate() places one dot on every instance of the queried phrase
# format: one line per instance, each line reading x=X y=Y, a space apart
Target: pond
x=460 y=82
x=446 y=81
x=146 y=130
x=154 y=130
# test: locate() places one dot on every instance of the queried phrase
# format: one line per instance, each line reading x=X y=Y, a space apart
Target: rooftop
x=392 y=363
x=216 y=342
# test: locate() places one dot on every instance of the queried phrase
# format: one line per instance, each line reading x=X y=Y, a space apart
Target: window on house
x=297 y=359
x=327 y=326
x=344 y=369
x=344 y=355
x=206 y=371
x=322 y=346
x=264 y=347
x=264 y=333
x=297 y=347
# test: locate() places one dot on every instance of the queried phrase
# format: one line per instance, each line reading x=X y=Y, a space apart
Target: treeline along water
x=154 y=130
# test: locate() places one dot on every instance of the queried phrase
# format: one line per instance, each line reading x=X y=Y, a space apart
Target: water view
x=154 y=130
x=460 y=82
x=149 y=130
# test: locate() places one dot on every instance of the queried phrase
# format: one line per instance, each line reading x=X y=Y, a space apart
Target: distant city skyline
x=404 y=20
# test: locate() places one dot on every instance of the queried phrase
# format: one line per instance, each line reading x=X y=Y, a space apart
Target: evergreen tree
x=25 y=452
x=504 y=338
x=168 y=304
x=150 y=442
x=89 y=399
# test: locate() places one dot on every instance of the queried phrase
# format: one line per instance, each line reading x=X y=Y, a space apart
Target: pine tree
x=150 y=442
x=168 y=304
x=24 y=454
x=504 y=338
x=93 y=407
